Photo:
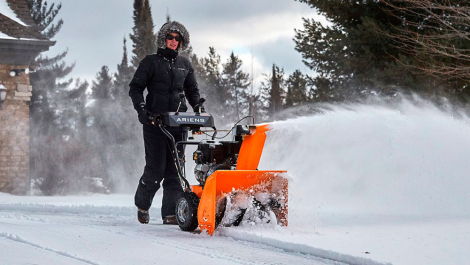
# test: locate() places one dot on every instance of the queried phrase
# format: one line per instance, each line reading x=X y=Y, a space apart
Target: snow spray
x=403 y=159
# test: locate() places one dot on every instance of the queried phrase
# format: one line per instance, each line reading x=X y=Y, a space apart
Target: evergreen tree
x=59 y=141
x=43 y=16
x=366 y=49
x=123 y=123
x=273 y=92
x=57 y=113
x=143 y=36
x=45 y=80
x=123 y=77
x=210 y=79
x=296 y=85
x=211 y=74
x=101 y=88
x=102 y=100
x=73 y=111
x=350 y=55
x=101 y=117
x=236 y=82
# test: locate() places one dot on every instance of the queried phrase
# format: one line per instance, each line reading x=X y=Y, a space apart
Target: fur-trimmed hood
x=173 y=26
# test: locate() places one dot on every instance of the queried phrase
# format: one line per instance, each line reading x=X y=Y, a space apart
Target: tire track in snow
x=73 y=211
x=65 y=254
x=78 y=209
x=65 y=211
x=312 y=254
x=299 y=248
x=182 y=246
x=203 y=250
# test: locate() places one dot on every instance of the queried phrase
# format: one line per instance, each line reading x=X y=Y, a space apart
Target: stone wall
x=14 y=132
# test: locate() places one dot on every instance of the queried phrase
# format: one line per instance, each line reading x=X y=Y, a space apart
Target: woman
x=165 y=75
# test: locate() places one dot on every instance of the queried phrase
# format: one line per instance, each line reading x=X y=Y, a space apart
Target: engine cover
x=212 y=155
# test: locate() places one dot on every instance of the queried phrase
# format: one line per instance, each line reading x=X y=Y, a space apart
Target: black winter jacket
x=165 y=75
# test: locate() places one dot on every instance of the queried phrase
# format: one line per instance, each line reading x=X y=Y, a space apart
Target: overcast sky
x=93 y=31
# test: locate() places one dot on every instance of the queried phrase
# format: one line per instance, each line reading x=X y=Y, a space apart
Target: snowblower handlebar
x=193 y=120
x=188 y=119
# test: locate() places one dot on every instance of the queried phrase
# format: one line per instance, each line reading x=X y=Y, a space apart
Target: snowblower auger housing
x=224 y=168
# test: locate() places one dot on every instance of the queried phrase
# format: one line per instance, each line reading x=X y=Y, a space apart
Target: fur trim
x=173 y=26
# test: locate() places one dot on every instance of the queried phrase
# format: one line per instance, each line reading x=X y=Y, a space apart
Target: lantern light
x=3 y=94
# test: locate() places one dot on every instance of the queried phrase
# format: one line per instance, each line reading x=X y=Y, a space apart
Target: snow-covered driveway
x=86 y=234
x=102 y=229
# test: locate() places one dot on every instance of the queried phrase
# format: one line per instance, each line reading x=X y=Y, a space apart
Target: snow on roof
x=5 y=36
x=6 y=11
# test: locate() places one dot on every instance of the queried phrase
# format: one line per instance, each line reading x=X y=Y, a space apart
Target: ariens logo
x=192 y=120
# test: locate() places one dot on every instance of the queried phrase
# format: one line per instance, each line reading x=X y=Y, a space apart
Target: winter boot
x=143 y=216
x=170 y=220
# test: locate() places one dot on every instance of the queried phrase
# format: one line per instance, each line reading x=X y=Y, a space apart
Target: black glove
x=143 y=115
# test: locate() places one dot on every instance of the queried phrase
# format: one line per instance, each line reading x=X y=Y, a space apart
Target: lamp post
x=3 y=95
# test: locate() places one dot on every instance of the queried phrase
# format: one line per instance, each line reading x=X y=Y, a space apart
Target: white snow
x=6 y=11
x=5 y=36
x=369 y=185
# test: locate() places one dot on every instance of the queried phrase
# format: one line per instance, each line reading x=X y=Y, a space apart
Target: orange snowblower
x=231 y=189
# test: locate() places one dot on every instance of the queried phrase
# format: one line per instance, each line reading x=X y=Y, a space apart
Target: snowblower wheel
x=186 y=211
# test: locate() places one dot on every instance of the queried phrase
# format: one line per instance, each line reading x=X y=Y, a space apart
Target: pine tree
x=102 y=98
x=350 y=55
x=101 y=122
x=143 y=36
x=101 y=88
x=57 y=113
x=123 y=123
x=211 y=74
x=43 y=16
x=296 y=85
x=210 y=84
x=47 y=90
x=379 y=46
x=123 y=77
x=273 y=92
x=236 y=82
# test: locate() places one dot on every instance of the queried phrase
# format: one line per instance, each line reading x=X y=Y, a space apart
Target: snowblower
x=231 y=188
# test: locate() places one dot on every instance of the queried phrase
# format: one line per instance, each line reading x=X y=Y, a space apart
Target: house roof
x=21 y=9
x=16 y=21
x=20 y=38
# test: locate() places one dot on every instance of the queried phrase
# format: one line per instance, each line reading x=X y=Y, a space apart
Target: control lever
x=199 y=106
x=181 y=96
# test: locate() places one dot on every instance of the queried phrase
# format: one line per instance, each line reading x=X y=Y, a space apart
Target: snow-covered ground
x=369 y=185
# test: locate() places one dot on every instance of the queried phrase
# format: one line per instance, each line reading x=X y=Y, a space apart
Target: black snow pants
x=160 y=166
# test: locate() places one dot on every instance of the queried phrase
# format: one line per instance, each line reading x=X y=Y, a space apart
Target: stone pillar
x=14 y=132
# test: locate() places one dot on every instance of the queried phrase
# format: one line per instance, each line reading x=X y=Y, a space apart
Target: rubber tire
x=186 y=211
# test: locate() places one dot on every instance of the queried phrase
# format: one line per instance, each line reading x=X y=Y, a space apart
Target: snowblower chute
x=226 y=171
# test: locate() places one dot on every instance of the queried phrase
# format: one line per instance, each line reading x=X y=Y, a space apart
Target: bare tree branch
x=436 y=34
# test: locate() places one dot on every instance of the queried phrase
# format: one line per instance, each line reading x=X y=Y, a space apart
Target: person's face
x=172 y=44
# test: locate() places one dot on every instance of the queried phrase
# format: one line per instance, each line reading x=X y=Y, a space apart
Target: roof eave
x=21 y=51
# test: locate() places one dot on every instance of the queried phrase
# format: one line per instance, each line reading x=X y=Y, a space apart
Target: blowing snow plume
x=404 y=159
